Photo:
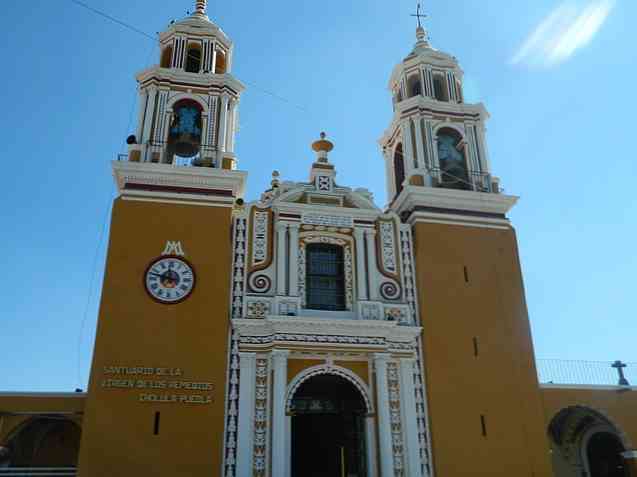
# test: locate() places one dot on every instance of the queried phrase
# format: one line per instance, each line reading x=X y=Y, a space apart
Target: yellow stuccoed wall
x=501 y=382
x=133 y=330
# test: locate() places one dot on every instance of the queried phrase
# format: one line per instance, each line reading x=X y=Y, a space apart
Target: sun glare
x=569 y=27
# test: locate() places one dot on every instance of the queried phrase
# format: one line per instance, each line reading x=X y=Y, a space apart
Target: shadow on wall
x=42 y=442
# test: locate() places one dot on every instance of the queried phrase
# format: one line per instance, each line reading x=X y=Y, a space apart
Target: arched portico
x=329 y=423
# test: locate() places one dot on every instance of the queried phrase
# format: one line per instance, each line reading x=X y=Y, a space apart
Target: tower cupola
x=189 y=101
x=435 y=139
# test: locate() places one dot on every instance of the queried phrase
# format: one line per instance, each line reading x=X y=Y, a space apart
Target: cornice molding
x=145 y=179
x=195 y=79
x=387 y=330
x=454 y=202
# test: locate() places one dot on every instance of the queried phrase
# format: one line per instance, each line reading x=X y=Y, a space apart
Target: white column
x=231 y=124
x=223 y=119
x=143 y=99
x=384 y=421
x=372 y=269
x=370 y=436
x=410 y=419
x=420 y=145
x=294 y=260
x=390 y=180
x=408 y=147
x=245 y=433
x=359 y=236
x=280 y=451
x=148 y=120
x=281 y=229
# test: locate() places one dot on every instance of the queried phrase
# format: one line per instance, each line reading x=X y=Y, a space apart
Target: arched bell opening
x=166 y=57
x=586 y=442
x=399 y=169
x=414 y=86
x=193 y=58
x=328 y=428
x=184 y=137
x=454 y=173
x=220 y=66
x=441 y=92
x=52 y=442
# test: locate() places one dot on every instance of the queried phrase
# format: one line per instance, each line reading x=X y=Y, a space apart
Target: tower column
x=143 y=100
x=281 y=230
x=245 y=434
x=148 y=121
x=409 y=158
x=231 y=125
x=294 y=259
x=223 y=119
x=280 y=441
x=420 y=144
x=384 y=422
x=371 y=264
x=359 y=236
x=410 y=420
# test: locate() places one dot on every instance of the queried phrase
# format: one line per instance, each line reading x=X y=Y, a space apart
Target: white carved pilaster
x=223 y=124
x=361 y=279
x=148 y=121
x=410 y=420
x=280 y=453
x=231 y=125
x=281 y=231
x=408 y=147
x=372 y=269
x=384 y=421
x=420 y=144
x=143 y=99
x=294 y=259
x=370 y=436
x=245 y=445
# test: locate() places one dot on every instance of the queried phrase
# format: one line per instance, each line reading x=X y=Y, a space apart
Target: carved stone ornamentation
x=393 y=385
x=261 y=408
x=257 y=308
x=232 y=412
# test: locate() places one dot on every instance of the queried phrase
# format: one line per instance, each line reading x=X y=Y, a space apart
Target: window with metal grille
x=325 y=278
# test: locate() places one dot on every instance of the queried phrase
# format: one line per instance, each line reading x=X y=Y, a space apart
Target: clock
x=169 y=279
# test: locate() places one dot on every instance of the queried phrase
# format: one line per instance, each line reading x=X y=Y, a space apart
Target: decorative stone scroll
x=387 y=249
x=260 y=248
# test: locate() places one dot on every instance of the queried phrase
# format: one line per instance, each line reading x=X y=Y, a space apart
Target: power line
x=113 y=19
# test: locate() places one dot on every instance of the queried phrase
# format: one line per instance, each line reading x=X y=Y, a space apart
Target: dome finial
x=322 y=147
x=200 y=7
x=421 y=33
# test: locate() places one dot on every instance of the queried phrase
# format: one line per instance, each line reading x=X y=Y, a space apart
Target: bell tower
x=483 y=396
x=157 y=389
x=188 y=104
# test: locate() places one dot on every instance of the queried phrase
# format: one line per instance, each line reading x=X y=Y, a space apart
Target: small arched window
x=184 y=138
x=414 y=86
x=399 y=168
x=166 y=57
x=441 y=91
x=193 y=59
x=220 y=67
x=325 y=277
x=453 y=165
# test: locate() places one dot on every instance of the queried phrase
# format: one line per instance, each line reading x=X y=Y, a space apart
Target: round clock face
x=169 y=279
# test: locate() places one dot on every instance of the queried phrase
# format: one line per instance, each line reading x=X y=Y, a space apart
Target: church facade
x=310 y=332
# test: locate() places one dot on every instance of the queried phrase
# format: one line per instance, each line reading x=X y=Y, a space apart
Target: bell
x=186 y=145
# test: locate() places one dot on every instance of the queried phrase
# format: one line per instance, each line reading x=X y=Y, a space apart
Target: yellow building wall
x=500 y=383
x=620 y=407
x=133 y=330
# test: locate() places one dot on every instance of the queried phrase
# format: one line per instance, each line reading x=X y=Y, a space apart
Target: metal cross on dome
x=419 y=15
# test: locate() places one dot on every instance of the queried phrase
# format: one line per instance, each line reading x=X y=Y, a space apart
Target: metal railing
x=476 y=181
x=38 y=471
x=594 y=373
x=155 y=151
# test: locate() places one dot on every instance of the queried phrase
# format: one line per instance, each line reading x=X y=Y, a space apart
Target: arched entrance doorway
x=604 y=454
x=328 y=428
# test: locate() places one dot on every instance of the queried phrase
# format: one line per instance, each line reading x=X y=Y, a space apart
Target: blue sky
x=556 y=76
